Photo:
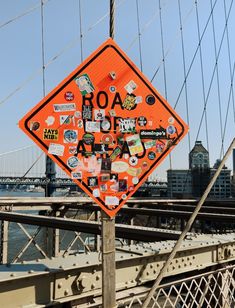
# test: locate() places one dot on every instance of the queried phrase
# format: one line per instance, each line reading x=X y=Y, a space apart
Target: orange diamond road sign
x=106 y=126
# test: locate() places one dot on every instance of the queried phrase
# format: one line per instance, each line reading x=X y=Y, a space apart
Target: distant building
x=192 y=182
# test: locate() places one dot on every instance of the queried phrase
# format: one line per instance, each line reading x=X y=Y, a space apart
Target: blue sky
x=21 y=59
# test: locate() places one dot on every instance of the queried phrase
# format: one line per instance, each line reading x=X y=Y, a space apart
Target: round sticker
x=150 y=99
x=124 y=196
x=142 y=121
x=170 y=129
x=133 y=160
x=77 y=114
x=135 y=180
x=131 y=188
x=70 y=135
x=88 y=138
x=34 y=125
x=112 y=89
x=69 y=96
x=73 y=149
x=151 y=155
x=72 y=162
x=145 y=164
x=107 y=139
x=105 y=125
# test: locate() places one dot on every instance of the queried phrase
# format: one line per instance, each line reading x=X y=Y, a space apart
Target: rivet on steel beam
x=66 y=292
x=60 y=284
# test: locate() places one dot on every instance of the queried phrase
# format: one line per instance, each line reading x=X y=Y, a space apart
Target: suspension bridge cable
x=214 y=70
x=164 y=64
x=28 y=11
x=229 y=59
x=80 y=29
x=184 y=68
x=37 y=72
x=217 y=80
x=227 y=111
x=17 y=150
x=43 y=50
x=202 y=73
x=194 y=57
x=172 y=45
x=139 y=35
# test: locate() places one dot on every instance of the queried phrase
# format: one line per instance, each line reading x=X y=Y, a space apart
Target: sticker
x=110 y=200
x=88 y=138
x=105 y=125
x=151 y=155
x=114 y=187
x=160 y=147
x=70 y=136
x=92 y=127
x=150 y=99
x=145 y=164
x=126 y=156
x=119 y=166
x=171 y=120
x=129 y=102
x=112 y=74
x=149 y=144
x=158 y=133
x=56 y=149
x=50 y=134
x=112 y=89
x=106 y=165
x=120 y=140
x=134 y=171
x=171 y=129
x=66 y=119
x=114 y=177
x=122 y=185
x=105 y=177
x=99 y=114
x=96 y=192
x=130 y=87
x=80 y=123
x=131 y=188
x=142 y=121
x=77 y=114
x=84 y=83
x=116 y=152
x=69 y=96
x=138 y=99
x=76 y=175
x=103 y=187
x=34 y=126
x=127 y=125
x=124 y=196
x=92 y=181
x=64 y=107
x=133 y=160
x=112 y=113
x=72 y=162
x=135 y=180
x=50 y=120
x=134 y=144
x=86 y=112
x=72 y=149
x=100 y=148
x=107 y=139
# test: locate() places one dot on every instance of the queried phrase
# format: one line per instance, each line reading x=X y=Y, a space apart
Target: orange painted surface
x=106 y=126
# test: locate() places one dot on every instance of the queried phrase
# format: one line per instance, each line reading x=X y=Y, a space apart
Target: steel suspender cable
x=202 y=72
x=111 y=23
x=139 y=35
x=218 y=82
x=80 y=27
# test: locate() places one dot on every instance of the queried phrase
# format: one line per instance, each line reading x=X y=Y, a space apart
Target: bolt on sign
x=106 y=126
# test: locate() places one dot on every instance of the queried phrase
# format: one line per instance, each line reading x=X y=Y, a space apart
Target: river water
x=18 y=239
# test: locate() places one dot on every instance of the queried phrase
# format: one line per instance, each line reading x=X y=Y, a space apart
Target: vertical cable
x=164 y=66
x=184 y=67
x=217 y=79
x=202 y=72
x=139 y=35
x=80 y=26
x=111 y=23
x=43 y=50
x=230 y=62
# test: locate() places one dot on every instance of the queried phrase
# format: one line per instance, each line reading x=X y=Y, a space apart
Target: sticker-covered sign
x=106 y=126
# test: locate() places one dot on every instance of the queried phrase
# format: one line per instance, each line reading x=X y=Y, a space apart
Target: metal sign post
x=108 y=233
